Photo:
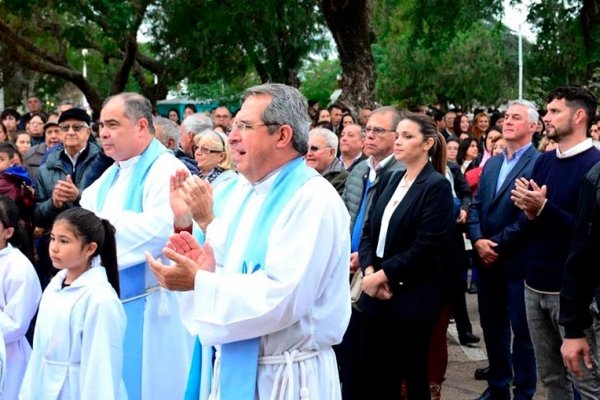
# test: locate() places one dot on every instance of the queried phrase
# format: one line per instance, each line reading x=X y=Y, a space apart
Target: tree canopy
x=406 y=53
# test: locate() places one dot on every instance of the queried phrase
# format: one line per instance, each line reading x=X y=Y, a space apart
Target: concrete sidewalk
x=463 y=360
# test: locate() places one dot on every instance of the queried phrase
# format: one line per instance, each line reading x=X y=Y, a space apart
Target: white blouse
x=391 y=206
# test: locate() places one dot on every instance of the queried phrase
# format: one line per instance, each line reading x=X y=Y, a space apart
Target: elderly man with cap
x=66 y=170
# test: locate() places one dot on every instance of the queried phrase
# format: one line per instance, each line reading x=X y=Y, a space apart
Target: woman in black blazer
x=401 y=254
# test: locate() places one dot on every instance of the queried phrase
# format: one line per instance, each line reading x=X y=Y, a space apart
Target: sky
x=513 y=16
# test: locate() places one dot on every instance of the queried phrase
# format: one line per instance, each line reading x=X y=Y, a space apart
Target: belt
x=284 y=377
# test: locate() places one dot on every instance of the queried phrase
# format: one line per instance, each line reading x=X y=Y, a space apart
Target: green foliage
x=227 y=39
x=479 y=67
x=221 y=92
x=319 y=80
x=439 y=51
x=559 y=56
x=426 y=51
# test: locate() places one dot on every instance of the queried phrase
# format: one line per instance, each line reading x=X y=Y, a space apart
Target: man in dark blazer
x=499 y=255
x=361 y=184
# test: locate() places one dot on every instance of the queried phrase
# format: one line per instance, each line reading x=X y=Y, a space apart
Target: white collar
x=381 y=164
x=577 y=149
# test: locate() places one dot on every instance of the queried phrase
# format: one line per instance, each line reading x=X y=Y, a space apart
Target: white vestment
x=78 y=341
x=299 y=301
x=20 y=293
x=167 y=346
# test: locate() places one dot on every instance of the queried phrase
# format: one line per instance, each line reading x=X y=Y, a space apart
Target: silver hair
x=135 y=108
x=330 y=138
x=287 y=107
x=197 y=123
x=397 y=115
x=532 y=113
x=361 y=131
x=169 y=129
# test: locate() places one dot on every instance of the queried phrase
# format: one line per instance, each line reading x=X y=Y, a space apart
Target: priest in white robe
x=275 y=272
x=133 y=195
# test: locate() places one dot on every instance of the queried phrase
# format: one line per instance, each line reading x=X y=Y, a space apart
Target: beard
x=559 y=132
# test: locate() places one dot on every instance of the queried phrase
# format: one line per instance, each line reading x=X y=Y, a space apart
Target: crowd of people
x=287 y=251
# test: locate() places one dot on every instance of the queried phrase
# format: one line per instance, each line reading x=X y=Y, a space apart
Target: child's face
x=23 y=143
x=10 y=122
x=67 y=251
x=5 y=161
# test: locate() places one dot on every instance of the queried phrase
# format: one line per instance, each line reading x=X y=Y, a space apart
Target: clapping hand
x=188 y=258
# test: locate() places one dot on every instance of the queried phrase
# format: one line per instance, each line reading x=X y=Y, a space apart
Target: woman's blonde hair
x=214 y=140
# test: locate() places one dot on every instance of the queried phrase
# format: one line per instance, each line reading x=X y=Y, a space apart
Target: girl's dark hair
x=191 y=106
x=176 y=111
x=463 y=147
x=89 y=228
x=456 y=124
x=8 y=148
x=9 y=218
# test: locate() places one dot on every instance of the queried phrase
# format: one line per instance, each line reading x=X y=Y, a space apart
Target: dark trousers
x=348 y=356
x=393 y=351
x=502 y=313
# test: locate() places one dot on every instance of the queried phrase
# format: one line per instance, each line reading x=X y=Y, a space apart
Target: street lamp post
x=520 y=61
x=84 y=53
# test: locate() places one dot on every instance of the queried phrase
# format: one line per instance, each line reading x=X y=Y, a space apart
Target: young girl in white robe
x=20 y=293
x=78 y=339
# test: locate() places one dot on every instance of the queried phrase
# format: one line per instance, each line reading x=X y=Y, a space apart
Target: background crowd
x=441 y=203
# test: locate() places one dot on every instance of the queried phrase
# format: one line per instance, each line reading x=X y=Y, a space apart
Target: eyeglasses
x=242 y=126
x=205 y=150
x=76 y=127
x=376 y=130
x=314 y=149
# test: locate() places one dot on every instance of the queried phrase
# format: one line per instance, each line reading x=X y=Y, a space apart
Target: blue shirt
x=509 y=163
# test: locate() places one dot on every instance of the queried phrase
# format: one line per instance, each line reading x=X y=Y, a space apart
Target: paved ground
x=463 y=360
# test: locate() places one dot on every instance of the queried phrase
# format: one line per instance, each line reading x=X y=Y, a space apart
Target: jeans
x=547 y=336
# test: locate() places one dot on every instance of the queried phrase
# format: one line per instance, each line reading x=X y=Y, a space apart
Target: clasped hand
x=376 y=285
x=64 y=191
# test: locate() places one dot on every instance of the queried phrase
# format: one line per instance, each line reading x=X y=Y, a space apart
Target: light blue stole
x=134 y=198
x=200 y=375
x=132 y=279
x=239 y=360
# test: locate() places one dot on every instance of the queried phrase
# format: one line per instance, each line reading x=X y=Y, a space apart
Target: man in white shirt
x=133 y=194
x=279 y=274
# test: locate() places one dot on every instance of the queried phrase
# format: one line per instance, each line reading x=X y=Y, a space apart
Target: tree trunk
x=349 y=23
